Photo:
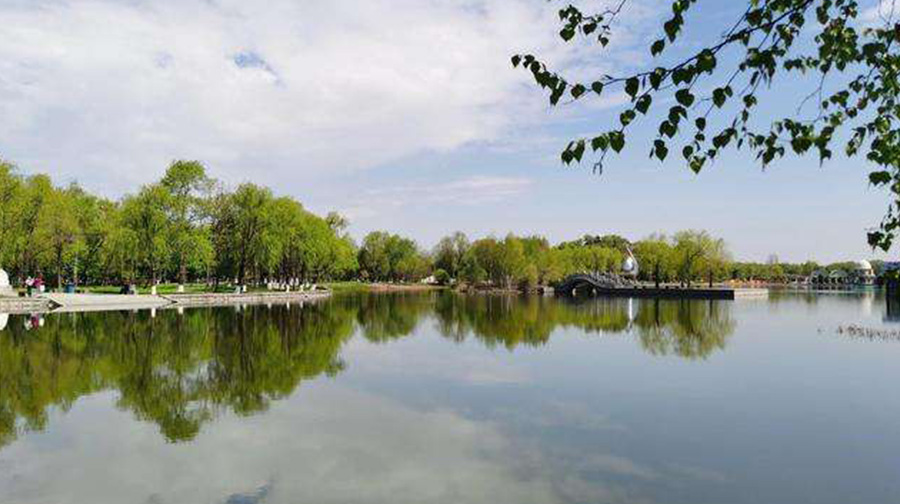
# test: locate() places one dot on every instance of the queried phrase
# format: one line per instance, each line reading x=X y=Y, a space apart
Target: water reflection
x=180 y=370
x=175 y=371
x=689 y=329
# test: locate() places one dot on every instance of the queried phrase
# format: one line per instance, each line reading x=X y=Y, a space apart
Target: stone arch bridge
x=591 y=282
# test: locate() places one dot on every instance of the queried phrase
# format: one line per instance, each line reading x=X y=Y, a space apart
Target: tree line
x=526 y=262
x=184 y=227
x=188 y=227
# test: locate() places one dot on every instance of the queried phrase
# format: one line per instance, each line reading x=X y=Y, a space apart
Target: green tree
x=337 y=222
x=57 y=227
x=699 y=255
x=10 y=208
x=145 y=215
x=442 y=277
x=244 y=230
x=714 y=98
x=656 y=258
x=449 y=252
x=27 y=248
x=387 y=257
x=187 y=184
x=119 y=253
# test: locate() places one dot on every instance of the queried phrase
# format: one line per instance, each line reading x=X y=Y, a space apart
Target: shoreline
x=70 y=303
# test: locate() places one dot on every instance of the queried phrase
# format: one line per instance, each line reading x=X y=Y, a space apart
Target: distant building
x=818 y=277
x=860 y=274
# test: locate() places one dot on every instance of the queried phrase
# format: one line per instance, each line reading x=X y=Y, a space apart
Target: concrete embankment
x=190 y=300
x=679 y=293
x=113 y=302
x=18 y=305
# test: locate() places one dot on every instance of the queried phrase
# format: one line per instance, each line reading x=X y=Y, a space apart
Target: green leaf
x=579 y=150
x=599 y=143
x=668 y=129
x=643 y=103
x=657 y=47
x=719 y=97
x=697 y=163
x=656 y=77
x=597 y=87
x=706 y=62
x=660 y=149
x=516 y=60
x=578 y=90
x=631 y=87
x=617 y=140
x=685 y=97
x=879 y=178
x=700 y=123
x=567 y=155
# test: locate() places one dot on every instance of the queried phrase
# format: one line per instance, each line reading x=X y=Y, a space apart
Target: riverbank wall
x=65 y=303
x=677 y=293
x=194 y=300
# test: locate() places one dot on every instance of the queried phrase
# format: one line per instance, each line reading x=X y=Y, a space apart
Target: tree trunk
x=182 y=270
x=59 y=269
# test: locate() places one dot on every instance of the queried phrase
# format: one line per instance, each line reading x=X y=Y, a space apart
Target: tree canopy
x=708 y=98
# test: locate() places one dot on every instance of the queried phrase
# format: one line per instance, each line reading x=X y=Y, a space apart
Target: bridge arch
x=589 y=282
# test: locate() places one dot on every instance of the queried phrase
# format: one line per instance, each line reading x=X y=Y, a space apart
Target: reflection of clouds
x=559 y=413
x=617 y=465
x=329 y=445
x=698 y=473
x=452 y=362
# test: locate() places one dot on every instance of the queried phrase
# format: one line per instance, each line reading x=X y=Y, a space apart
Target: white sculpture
x=5 y=288
x=630 y=265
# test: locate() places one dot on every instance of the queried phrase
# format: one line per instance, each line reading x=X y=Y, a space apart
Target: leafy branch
x=864 y=107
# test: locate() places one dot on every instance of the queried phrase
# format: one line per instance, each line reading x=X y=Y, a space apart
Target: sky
x=404 y=115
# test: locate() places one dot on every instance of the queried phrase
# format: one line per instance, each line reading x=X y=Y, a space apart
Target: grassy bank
x=351 y=287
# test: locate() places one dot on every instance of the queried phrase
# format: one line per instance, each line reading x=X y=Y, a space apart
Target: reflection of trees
x=181 y=371
x=688 y=329
x=495 y=320
x=389 y=316
x=176 y=371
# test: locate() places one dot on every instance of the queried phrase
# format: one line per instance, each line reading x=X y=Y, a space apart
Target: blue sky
x=403 y=114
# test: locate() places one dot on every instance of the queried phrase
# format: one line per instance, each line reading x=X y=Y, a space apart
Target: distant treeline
x=187 y=227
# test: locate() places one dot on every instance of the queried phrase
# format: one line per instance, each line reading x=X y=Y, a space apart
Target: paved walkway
x=97 y=302
x=58 y=302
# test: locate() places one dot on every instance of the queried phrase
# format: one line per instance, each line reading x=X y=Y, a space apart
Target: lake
x=438 y=397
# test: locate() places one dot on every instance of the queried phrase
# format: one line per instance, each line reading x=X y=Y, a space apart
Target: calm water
x=448 y=399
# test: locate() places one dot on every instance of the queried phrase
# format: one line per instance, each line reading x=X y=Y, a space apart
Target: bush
x=441 y=277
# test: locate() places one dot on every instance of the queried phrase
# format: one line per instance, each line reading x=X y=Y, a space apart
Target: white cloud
x=468 y=191
x=109 y=92
x=883 y=12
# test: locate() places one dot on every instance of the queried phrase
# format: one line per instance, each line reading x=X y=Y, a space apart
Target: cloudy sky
x=403 y=114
